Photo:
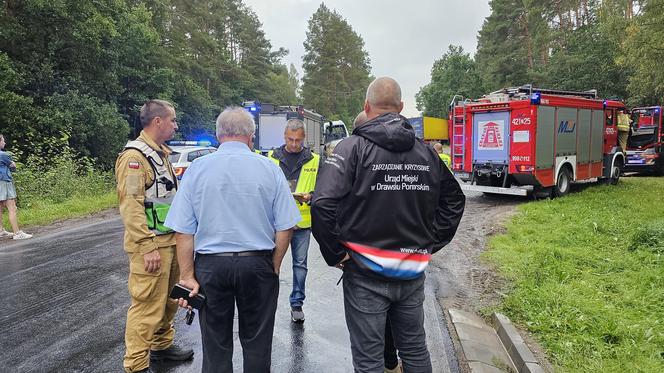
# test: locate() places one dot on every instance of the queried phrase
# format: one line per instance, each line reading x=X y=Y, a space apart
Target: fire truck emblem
x=492 y=137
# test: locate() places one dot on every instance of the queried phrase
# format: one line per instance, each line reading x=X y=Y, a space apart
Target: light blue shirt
x=233 y=200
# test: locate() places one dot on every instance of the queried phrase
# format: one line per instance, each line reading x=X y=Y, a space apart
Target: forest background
x=73 y=74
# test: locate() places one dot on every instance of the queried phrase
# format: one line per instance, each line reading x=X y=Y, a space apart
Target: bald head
x=360 y=119
x=383 y=96
x=438 y=147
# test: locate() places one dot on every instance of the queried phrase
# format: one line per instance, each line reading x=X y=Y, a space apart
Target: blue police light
x=253 y=108
x=536 y=98
x=605 y=104
x=656 y=110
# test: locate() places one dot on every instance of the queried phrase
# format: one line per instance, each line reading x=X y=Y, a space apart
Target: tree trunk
x=529 y=40
x=586 y=15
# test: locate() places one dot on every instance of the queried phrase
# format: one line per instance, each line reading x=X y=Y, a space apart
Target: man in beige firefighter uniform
x=300 y=166
x=146 y=185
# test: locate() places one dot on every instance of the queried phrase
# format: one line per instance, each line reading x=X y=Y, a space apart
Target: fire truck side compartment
x=545 y=135
x=566 y=130
x=597 y=137
x=584 y=126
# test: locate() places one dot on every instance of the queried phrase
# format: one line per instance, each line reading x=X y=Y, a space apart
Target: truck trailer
x=646 y=141
x=530 y=140
x=271 y=123
x=430 y=128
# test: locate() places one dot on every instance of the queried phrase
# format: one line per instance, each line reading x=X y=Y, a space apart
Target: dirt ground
x=466 y=282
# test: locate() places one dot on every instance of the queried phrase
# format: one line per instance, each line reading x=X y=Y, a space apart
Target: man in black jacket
x=384 y=203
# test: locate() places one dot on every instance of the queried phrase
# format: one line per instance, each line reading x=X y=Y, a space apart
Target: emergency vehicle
x=646 y=141
x=271 y=124
x=525 y=139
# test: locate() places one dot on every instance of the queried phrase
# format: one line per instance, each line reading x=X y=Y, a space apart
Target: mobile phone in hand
x=180 y=291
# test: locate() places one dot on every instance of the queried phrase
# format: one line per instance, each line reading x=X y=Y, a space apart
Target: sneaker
x=173 y=353
x=4 y=233
x=297 y=315
x=21 y=236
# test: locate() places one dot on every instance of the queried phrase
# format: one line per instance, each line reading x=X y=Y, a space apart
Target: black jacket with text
x=387 y=199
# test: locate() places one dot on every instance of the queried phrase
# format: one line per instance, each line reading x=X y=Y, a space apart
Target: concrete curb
x=518 y=351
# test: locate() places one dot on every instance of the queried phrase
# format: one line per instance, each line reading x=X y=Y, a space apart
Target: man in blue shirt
x=234 y=210
x=8 y=194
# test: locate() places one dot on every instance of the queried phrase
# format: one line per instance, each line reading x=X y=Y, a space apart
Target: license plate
x=462 y=175
x=636 y=161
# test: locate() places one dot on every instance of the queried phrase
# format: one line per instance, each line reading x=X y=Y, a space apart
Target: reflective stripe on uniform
x=305 y=184
x=157 y=196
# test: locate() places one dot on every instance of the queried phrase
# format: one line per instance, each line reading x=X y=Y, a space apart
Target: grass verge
x=587 y=276
x=46 y=212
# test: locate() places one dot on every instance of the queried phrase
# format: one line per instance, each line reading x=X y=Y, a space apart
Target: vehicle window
x=609 y=114
x=193 y=155
x=334 y=133
x=174 y=157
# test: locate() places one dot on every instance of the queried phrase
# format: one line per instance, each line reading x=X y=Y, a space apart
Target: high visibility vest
x=623 y=122
x=305 y=184
x=445 y=158
x=158 y=196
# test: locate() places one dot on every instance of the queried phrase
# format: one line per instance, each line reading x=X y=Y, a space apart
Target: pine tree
x=454 y=73
x=336 y=67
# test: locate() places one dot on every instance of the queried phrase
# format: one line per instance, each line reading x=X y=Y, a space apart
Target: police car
x=182 y=156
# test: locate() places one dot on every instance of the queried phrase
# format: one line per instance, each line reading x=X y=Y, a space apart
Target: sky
x=403 y=37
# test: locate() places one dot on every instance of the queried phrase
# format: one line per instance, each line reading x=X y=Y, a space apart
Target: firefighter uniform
x=145 y=184
x=623 y=130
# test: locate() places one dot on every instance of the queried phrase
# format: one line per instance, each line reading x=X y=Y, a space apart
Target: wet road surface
x=65 y=300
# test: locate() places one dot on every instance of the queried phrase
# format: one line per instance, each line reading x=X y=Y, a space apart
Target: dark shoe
x=296 y=314
x=174 y=353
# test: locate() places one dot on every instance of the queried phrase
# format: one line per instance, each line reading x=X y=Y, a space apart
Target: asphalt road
x=64 y=303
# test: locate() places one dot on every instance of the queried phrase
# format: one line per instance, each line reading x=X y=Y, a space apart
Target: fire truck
x=527 y=140
x=646 y=142
x=271 y=122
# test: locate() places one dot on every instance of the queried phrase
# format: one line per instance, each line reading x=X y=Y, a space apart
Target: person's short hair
x=152 y=109
x=235 y=121
x=438 y=146
x=384 y=92
x=294 y=125
x=360 y=119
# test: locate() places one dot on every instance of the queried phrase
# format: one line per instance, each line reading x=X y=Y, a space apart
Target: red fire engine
x=646 y=141
x=526 y=139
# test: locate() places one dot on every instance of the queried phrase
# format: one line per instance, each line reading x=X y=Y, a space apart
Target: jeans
x=390 y=354
x=251 y=283
x=367 y=302
x=299 y=250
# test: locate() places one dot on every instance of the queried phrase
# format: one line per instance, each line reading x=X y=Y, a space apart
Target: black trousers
x=249 y=282
x=368 y=302
x=390 y=354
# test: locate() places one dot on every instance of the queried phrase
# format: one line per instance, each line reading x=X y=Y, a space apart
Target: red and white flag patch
x=134 y=165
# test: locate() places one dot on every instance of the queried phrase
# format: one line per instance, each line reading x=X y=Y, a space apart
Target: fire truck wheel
x=563 y=183
x=615 y=173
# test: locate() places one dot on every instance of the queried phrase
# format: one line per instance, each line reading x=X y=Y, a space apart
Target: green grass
x=587 y=276
x=44 y=212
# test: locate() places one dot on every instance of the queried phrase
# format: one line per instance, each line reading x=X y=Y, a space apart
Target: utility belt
x=156 y=210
